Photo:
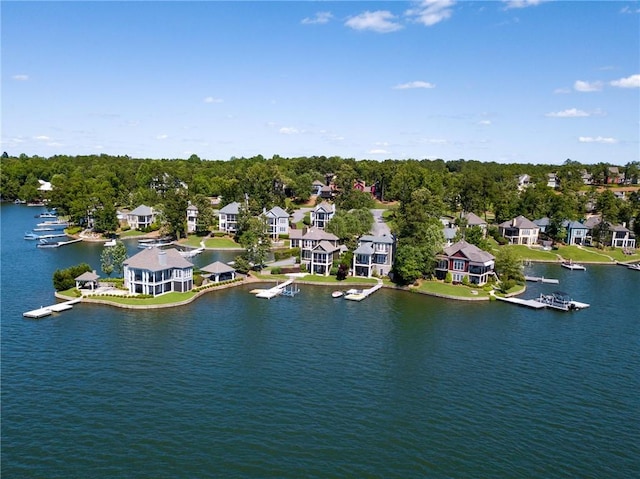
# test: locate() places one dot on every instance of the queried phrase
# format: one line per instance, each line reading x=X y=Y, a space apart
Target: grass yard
x=589 y=254
x=221 y=243
x=533 y=254
x=458 y=290
x=192 y=240
x=158 y=300
x=131 y=234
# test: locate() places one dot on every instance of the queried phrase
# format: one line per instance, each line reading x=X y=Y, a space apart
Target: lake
x=400 y=385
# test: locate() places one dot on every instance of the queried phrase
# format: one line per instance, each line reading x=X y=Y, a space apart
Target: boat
x=31 y=236
x=561 y=301
x=337 y=294
x=635 y=266
x=53 y=224
x=148 y=243
x=47 y=214
x=111 y=242
x=573 y=266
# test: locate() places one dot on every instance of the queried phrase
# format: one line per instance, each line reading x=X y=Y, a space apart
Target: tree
x=105 y=218
x=175 y=212
x=408 y=264
x=106 y=261
x=255 y=239
x=64 y=279
x=508 y=265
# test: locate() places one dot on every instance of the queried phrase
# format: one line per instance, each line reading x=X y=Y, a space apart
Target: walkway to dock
x=360 y=294
x=272 y=292
x=54 y=308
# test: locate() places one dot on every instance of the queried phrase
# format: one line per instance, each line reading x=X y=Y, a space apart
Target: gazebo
x=219 y=271
x=87 y=279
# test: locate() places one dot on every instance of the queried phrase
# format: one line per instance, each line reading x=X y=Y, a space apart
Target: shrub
x=198 y=279
x=448 y=278
x=65 y=278
x=465 y=280
x=276 y=270
x=505 y=286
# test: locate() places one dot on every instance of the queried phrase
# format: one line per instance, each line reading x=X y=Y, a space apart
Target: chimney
x=513 y=222
x=162 y=257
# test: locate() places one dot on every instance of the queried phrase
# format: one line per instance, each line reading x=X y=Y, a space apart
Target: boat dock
x=272 y=292
x=191 y=253
x=360 y=294
x=57 y=244
x=554 y=301
x=54 y=308
x=541 y=279
x=529 y=303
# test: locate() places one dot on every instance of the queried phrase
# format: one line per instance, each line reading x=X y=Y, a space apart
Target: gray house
x=228 y=217
x=141 y=217
x=156 y=271
x=374 y=254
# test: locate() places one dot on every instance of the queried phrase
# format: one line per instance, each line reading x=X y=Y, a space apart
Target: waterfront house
x=218 y=271
x=520 y=230
x=141 y=217
x=621 y=237
x=576 y=232
x=464 y=260
x=473 y=219
x=228 y=218
x=318 y=248
x=322 y=214
x=543 y=223
x=192 y=218
x=374 y=254
x=156 y=271
x=277 y=222
x=88 y=279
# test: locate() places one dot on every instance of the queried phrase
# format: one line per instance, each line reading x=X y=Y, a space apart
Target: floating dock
x=360 y=294
x=47 y=310
x=272 y=292
x=541 y=279
x=57 y=244
x=529 y=303
x=191 y=253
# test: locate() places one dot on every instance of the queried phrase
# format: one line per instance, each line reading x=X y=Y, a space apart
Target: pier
x=360 y=294
x=541 y=279
x=48 y=310
x=272 y=292
x=529 y=303
x=57 y=244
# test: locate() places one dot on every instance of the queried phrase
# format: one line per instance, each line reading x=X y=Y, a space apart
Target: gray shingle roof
x=318 y=234
x=365 y=248
x=142 y=210
x=278 y=212
x=87 y=276
x=520 y=223
x=231 y=208
x=156 y=259
x=471 y=252
x=326 y=246
x=217 y=268
x=473 y=219
x=383 y=239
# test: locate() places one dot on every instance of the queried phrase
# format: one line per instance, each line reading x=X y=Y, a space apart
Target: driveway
x=298 y=215
x=379 y=227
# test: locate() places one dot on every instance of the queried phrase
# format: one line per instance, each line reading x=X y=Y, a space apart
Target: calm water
x=400 y=385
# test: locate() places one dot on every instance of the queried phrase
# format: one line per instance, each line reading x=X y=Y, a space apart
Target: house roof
x=231 y=208
x=619 y=228
x=519 y=222
x=192 y=208
x=295 y=234
x=142 y=210
x=364 y=248
x=87 y=276
x=574 y=225
x=450 y=233
x=217 y=268
x=384 y=239
x=324 y=206
x=317 y=183
x=471 y=252
x=544 y=221
x=326 y=246
x=278 y=212
x=592 y=221
x=473 y=219
x=156 y=259
x=318 y=234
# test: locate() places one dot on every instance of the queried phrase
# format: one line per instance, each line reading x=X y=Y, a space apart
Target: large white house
x=374 y=254
x=520 y=230
x=141 y=217
x=277 y=222
x=157 y=271
x=228 y=218
x=192 y=218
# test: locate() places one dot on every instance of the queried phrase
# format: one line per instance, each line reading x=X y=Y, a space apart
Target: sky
x=523 y=81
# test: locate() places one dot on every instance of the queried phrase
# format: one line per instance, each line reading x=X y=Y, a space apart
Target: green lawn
x=158 y=300
x=221 y=243
x=533 y=254
x=459 y=290
x=593 y=254
x=131 y=234
x=315 y=278
x=192 y=240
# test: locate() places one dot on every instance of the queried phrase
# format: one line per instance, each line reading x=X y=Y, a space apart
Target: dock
x=43 y=311
x=191 y=253
x=58 y=243
x=541 y=279
x=272 y=292
x=529 y=303
x=360 y=294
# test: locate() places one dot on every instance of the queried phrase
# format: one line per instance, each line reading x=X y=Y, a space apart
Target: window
x=458 y=265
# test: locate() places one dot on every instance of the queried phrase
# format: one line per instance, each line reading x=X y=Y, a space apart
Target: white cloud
x=561 y=91
x=597 y=139
x=414 y=84
x=378 y=151
x=484 y=122
x=162 y=137
x=569 y=113
x=319 y=18
x=628 y=9
x=523 y=3
x=381 y=21
x=20 y=77
x=430 y=12
x=211 y=99
x=42 y=138
x=585 y=86
x=287 y=130
x=632 y=81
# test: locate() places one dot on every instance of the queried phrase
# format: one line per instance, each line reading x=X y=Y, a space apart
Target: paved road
x=298 y=215
x=379 y=226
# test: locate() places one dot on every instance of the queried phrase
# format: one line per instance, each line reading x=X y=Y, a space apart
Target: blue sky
x=525 y=81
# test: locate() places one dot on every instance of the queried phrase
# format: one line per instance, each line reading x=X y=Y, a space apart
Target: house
x=520 y=230
x=552 y=180
x=587 y=178
x=621 y=237
x=277 y=222
x=328 y=192
x=141 y=217
x=228 y=218
x=156 y=271
x=464 y=260
x=192 y=218
x=322 y=214
x=88 y=279
x=316 y=187
x=450 y=233
x=361 y=185
x=524 y=181
x=374 y=255
x=543 y=223
x=218 y=271
x=613 y=176
x=318 y=249
x=45 y=186
x=576 y=232
x=474 y=220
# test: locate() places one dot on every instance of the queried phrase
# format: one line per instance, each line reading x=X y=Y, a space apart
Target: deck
x=44 y=311
x=272 y=292
x=360 y=294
